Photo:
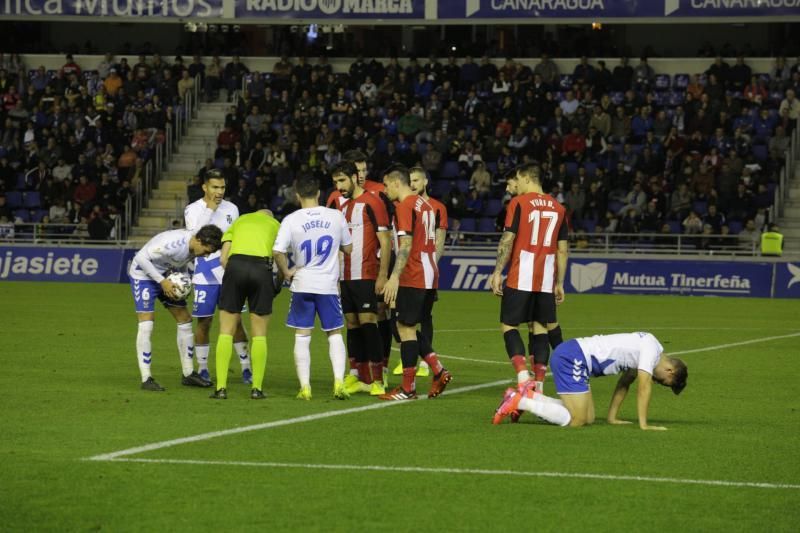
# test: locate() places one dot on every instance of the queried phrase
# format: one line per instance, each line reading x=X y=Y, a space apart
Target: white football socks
x=423 y=364
x=302 y=359
x=244 y=357
x=549 y=409
x=201 y=351
x=185 y=339
x=144 y=352
x=523 y=376
x=338 y=354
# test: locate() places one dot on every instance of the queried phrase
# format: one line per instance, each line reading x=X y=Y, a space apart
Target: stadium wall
x=589 y=274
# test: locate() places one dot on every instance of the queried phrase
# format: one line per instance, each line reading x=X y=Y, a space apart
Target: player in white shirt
x=314 y=235
x=168 y=251
x=630 y=354
x=207 y=278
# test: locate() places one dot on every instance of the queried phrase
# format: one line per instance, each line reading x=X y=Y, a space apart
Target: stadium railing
x=40 y=233
x=626 y=243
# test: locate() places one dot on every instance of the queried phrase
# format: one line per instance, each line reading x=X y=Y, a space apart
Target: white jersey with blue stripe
x=208 y=270
x=314 y=236
x=167 y=251
x=614 y=354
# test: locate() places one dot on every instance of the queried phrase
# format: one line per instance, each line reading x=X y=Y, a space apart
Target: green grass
x=70 y=390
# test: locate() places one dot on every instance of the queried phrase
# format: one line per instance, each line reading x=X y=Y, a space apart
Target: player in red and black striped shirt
x=411 y=288
x=365 y=273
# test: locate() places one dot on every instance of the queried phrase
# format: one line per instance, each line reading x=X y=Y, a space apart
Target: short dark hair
x=531 y=171
x=355 y=156
x=417 y=169
x=398 y=172
x=307 y=186
x=346 y=167
x=679 y=376
x=213 y=174
x=210 y=235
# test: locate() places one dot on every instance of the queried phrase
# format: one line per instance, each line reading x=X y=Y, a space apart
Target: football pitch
x=84 y=449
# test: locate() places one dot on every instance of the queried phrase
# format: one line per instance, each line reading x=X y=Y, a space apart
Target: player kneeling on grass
x=247 y=260
x=168 y=251
x=630 y=354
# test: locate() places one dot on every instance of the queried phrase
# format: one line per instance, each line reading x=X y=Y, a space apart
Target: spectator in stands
x=714 y=218
x=750 y=236
x=547 y=70
x=481 y=180
x=790 y=105
x=575 y=202
x=692 y=224
x=643 y=75
x=622 y=76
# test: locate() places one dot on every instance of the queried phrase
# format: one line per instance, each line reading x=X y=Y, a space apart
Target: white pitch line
x=735 y=344
x=276 y=423
x=473 y=471
x=680 y=352
x=625 y=328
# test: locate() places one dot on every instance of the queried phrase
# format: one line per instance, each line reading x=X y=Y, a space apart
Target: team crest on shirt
x=229 y=219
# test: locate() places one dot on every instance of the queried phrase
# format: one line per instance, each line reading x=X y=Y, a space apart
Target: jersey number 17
x=536 y=217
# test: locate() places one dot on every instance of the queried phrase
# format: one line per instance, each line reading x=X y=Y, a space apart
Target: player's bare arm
x=643 y=401
x=441 y=238
x=621 y=390
x=503 y=255
x=392 y=284
x=283 y=265
x=225 y=254
x=385 y=243
x=561 y=260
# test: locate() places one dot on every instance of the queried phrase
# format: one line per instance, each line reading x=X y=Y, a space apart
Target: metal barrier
x=50 y=233
x=786 y=175
x=627 y=243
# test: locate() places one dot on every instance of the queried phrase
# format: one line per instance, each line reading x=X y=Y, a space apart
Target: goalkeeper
x=170 y=250
x=247 y=259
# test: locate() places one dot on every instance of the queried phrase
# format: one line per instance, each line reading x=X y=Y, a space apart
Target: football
x=182 y=283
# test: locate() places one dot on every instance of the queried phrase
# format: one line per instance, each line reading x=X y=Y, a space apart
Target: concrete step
x=200 y=139
x=189 y=166
x=208 y=120
x=792 y=211
x=794 y=193
x=163 y=200
x=790 y=222
x=199 y=149
x=172 y=186
x=207 y=132
x=162 y=213
x=185 y=177
x=186 y=158
x=159 y=223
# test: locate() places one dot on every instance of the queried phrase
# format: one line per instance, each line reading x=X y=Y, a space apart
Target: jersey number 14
x=429 y=222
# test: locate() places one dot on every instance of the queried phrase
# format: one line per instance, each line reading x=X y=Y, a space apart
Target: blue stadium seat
x=760 y=152
x=591 y=168
x=468 y=224
x=614 y=206
x=440 y=188
x=616 y=97
x=662 y=82
x=700 y=207
x=494 y=207
x=565 y=82
x=21 y=185
x=450 y=169
x=14 y=199
x=572 y=169
x=463 y=185
x=491 y=167
x=22 y=214
x=735 y=226
x=32 y=200
x=674 y=226
x=702 y=79
x=676 y=98
x=589 y=225
x=680 y=81
x=486 y=225
x=763 y=76
x=37 y=215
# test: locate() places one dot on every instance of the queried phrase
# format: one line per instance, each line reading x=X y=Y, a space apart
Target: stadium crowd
x=74 y=142
x=625 y=149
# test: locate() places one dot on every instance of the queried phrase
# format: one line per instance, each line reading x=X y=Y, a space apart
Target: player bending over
x=632 y=355
x=168 y=251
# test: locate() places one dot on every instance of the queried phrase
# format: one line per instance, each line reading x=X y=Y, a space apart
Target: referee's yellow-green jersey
x=253 y=234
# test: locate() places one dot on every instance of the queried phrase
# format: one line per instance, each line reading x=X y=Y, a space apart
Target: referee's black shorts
x=520 y=307
x=247 y=278
x=358 y=296
x=413 y=305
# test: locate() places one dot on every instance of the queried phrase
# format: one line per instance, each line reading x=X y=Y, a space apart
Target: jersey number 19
x=321 y=249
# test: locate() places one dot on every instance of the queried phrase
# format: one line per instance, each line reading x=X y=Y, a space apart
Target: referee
x=247 y=259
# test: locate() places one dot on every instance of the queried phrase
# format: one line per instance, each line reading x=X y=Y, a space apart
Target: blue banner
x=18 y=263
x=604 y=9
x=787 y=280
x=331 y=9
x=113 y=8
x=615 y=276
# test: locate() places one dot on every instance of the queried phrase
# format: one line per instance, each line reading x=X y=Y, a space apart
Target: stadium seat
x=486 y=225
x=662 y=82
x=572 y=169
x=22 y=214
x=680 y=81
x=468 y=224
x=450 y=169
x=440 y=188
x=494 y=207
x=32 y=200
x=491 y=167
x=590 y=168
x=21 y=185
x=760 y=152
x=735 y=226
x=463 y=185
x=588 y=225
x=763 y=76
x=565 y=82
x=700 y=207
x=676 y=98
x=14 y=199
x=37 y=215
x=674 y=226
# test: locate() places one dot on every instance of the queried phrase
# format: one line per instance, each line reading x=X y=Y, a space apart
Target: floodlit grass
x=70 y=391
